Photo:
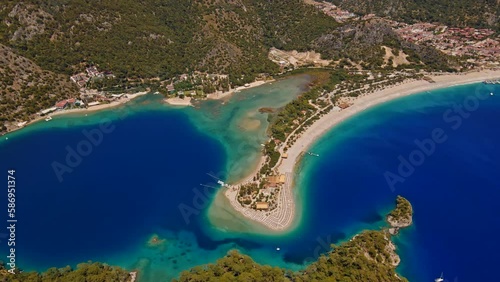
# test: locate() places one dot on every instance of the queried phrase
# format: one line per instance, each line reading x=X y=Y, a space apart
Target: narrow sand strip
x=96 y=108
x=281 y=218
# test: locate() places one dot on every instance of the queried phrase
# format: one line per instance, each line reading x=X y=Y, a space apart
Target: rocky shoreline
x=401 y=216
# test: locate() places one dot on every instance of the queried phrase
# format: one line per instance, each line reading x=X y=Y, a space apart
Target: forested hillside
x=164 y=38
x=25 y=88
x=144 y=42
x=84 y=272
x=367 y=257
x=362 y=41
x=460 y=13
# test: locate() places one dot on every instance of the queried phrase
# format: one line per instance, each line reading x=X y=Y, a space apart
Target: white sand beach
x=221 y=95
x=218 y=95
x=363 y=102
x=176 y=101
x=100 y=107
x=281 y=218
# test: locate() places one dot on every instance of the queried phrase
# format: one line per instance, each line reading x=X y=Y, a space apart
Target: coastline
x=96 y=108
x=363 y=102
x=176 y=101
x=281 y=218
x=218 y=95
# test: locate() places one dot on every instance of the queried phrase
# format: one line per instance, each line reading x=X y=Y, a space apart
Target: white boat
x=440 y=279
x=49 y=118
x=220 y=182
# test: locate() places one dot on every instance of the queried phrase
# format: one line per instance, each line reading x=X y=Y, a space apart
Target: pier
x=219 y=181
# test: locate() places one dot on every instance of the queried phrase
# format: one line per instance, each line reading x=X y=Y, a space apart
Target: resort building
x=47 y=111
x=93 y=104
x=275 y=180
x=262 y=205
x=170 y=88
x=62 y=104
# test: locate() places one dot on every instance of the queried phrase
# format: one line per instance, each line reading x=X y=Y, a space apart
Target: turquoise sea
x=152 y=169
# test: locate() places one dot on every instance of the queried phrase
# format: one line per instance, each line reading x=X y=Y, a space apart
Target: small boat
x=440 y=279
x=277 y=249
x=49 y=118
x=491 y=94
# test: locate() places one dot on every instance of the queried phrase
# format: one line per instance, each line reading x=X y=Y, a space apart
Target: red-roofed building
x=62 y=104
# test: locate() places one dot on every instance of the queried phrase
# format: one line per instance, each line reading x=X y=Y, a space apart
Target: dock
x=219 y=181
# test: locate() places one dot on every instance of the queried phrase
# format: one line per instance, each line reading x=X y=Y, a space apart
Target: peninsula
x=63 y=57
x=368 y=256
x=267 y=195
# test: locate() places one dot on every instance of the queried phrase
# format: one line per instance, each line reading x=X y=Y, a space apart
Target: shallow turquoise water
x=134 y=182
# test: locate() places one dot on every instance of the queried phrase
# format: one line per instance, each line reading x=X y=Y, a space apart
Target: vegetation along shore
x=267 y=196
x=59 y=57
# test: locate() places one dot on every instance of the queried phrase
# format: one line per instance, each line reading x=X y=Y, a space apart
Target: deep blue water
x=454 y=191
x=131 y=185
